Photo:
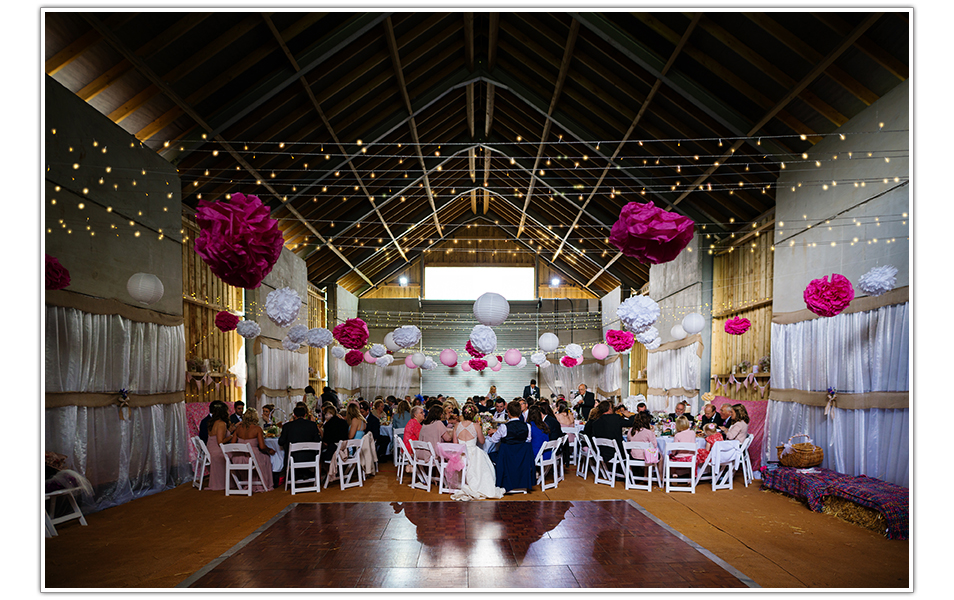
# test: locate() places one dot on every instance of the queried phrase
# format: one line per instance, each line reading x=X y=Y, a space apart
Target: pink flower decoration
x=473 y=351
x=354 y=358
x=477 y=364
x=829 y=299
x=650 y=234
x=353 y=334
x=226 y=321
x=568 y=362
x=737 y=326
x=238 y=239
x=621 y=341
x=57 y=277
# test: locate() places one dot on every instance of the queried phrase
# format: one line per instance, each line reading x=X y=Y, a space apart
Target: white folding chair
x=349 y=464
x=745 y=461
x=202 y=461
x=75 y=513
x=370 y=449
x=443 y=486
x=572 y=431
x=719 y=466
x=563 y=440
x=251 y=469
x=293 y=465
x=669 y=465
x=587 y=455
x=634 y=481
x=605 y=471
x=422 y=473
x=397 y=439
x=551 y=446
x=403 y=460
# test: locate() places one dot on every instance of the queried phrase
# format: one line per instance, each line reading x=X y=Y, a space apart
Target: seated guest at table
x=484 y=405
x=451 y=408
x=500 y=410
x=334 y=430
x=492 y=394
x=711 y=432
x=564 y=415
x=329 y=395
x=218 y=434
x=641 y=407
x=609 y=425
x=378 y=409
x=642 y=431
x=267 y=414
x=710 y=415
x=539 y=430
x=739 y=429
x=204 y=423
x=389 y=405
x=357 y=425
x=684 y=435
x=310 y=399
x=590 y=421
x=681 y=412
x=514 y=431
x=434 y=430
x=556 y=430
x=299 y=430
x=402 y=414
x=728 y=417
x=373 y=427
x=412 y=431
x=524 y=408
x=236 y=417
x=249 y=432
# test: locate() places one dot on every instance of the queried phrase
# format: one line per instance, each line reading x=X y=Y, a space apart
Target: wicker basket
x=803 y=454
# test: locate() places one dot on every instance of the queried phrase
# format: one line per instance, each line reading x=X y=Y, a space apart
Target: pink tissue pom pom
x=737 y=326
x=354 y=358
x=829 y=299
x=238 y=239
x=621 y=341
x=650 y=234
x=473 y=351
x=568 y=362
x=226 y=321
x=353 y=334
x=477 y=364
x=57 y=277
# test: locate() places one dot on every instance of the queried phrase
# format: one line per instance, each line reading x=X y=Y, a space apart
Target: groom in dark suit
x=531 y=391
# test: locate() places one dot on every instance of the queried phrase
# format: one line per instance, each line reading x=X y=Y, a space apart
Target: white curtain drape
x=146 y=452
x=678 y=368
x=853 y=353
x=563 y=380
x=382 y=381
x=279 y=369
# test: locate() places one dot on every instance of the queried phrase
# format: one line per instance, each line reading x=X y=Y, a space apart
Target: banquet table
x=278 y=459
x=662 y=442
x=388 y=431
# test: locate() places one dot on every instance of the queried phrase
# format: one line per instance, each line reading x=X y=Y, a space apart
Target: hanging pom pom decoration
x=57 y=277
x=491 y=309
x=406 y=336
x=650 y=234
x=389 y=342
x=638 y=313
x=473 y=351
x=483 y=338
x=879 y=280
x=647 y=336
x=354 y=358
x=378 y=350
x=512 y=357
x=226 y=321
x=429 y=364
x=384 y=361
x=829 y=299
x=545 y=364
x=282 y=306
x=693 y=323
x=319 y=337
x=621 y=341
x=568 y=361
x=298 y=333
x=248 y=329
x=522 y=363
x=548 y=342
x=538 y=358
x=448 y=358
x=477 y=364
x=338 y=352
x=653 y=344
x=289 y=345
x=353 y=333
x=574 y=351
x=238 y=239
x=600 y=351
x=737 y=326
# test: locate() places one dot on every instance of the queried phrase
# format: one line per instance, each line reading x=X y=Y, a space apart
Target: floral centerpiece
x=272 y=431
x=765 y=363
x=195 y=365
x=215 y=364
x=744 y=366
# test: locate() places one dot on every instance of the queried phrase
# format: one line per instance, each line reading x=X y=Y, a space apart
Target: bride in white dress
x=481 y=480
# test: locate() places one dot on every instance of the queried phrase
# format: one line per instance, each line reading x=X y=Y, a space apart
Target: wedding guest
x=609 y=425
x=641 y=407
x=373 y=427
x=500 y=410
x=378 y=409
x=642 y=431
x=310 y=399
x=585 y=400
x=434 y=430
x=556 y=430
x=204 y=423
x=402 y=414
x=218 y=434
x=412 y=431
x=492 y=394
x=680 y=411
x=710 y=415
x=267 y=414
x=684 y=435
x=727 y=413
x=524 y=408
x=249 y=432
x=299 y=430
x=712 y=435
x=357 y=425
x=564 y=415
x=334 y=430
x=739 y=429
x=236 y=417
x=539 y=430
x=329 y=395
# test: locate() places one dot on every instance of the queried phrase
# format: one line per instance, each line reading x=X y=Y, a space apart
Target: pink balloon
x=512 y=357
x=600 y=351
x=409 y=363
x=497 y=367
x=448 y=358
x=368 y=358
x=465 y=367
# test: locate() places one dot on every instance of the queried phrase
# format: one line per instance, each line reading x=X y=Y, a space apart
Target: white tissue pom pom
x=638 y=313
x=545 y=364
x=384 y=361
x=647 y=336
x=878 y=280
x=429 y=364
x=653 y=344
x=319 y=337
x=407 y=336
x=338 y=352
x=378 y=350
x=574 y=351
x=538 y=358
x=298 y=333
x=282 y=306
x=522 y=363
x=483 y=338
x=248 y=329
x=289 y=345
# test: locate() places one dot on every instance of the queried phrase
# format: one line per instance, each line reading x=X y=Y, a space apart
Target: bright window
x=468 y=283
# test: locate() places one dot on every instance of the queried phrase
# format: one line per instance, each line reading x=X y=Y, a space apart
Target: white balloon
x=418 y=359
x=389 y=342
x=491 y=309
x=693 y=323
x=677 y=332
x=491 y=361
x=549 y=342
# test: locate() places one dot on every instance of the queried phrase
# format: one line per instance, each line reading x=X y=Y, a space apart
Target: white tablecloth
x=663 y=441
x=278 y=459
x=388 y=431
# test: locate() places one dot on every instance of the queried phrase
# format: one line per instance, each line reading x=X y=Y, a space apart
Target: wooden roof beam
x=875 y=52
x=80 y=45
x=494 y=31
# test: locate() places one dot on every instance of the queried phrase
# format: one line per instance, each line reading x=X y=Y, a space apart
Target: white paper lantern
x=693 y=323
x=389 y=342
x=491 y=361
x=491 y=309
x=549 y=342
x=145 y=288
x=677 y=332
x=418 y=359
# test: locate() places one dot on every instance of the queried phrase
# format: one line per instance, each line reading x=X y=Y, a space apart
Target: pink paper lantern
x=368 y=358
x=497 y=367
x=512 y=357
x=465 y=367
x=409 y=363
x=600 y=351
x=448 y=358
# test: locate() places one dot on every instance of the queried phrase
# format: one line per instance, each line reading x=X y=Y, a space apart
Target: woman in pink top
x=684 y=435
x=642 y=431
x=739 y=429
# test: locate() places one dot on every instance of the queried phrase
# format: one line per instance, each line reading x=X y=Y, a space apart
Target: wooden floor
x=506 y=544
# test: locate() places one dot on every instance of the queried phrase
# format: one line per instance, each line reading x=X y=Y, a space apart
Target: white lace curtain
x=853 y=353
x=127 y=458
x=563 y=380
x=278 y=369
x=382 y=381
x=678 y=368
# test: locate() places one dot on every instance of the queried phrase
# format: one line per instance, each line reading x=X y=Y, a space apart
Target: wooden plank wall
x=638 y=359
x=204 y=295
x=317 y=317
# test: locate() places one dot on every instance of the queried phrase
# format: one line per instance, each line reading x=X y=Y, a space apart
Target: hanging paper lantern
x=492 y=361
x=638 y=313
x=465 y=367
x=290 y=345
x=338 y=352
x=407 y=336
x=879 y=280
x=574 y=351
x=512 y=357
x=57 y=277
x=491 y=309
x=522 y=363
x=829 y=299
x=483 y=339
x=390 y=344
x=384 y=361
x=145 y=288
x=238 y=239
x=368 y=358
x=282 y=306
x=677 y=332
x=354 y=358
x=418 y=359
x=353 y=333
x=298 y=333
x=448 y=357
x=737 y=326
x=497 y=367
x=319 y=337
x=378 y=350
x=600 y=351
x=568 y=361
x=647 y=335
x=548 y=342
x=621 y=341
x=693 y=323
x=650 y=234
x=248 y=329
x=477 y=364
x=409 y=362
x=226 y=321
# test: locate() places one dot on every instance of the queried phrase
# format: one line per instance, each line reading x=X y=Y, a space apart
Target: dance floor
x=505 y=544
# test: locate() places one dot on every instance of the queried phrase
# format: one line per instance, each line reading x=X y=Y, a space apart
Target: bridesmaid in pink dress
x=218 y=434
x=249 y=432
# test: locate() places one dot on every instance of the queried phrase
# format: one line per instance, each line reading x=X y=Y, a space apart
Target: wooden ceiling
x=372 y=135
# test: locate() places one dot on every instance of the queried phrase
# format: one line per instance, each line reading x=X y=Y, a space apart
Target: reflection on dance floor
x=504 y=544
